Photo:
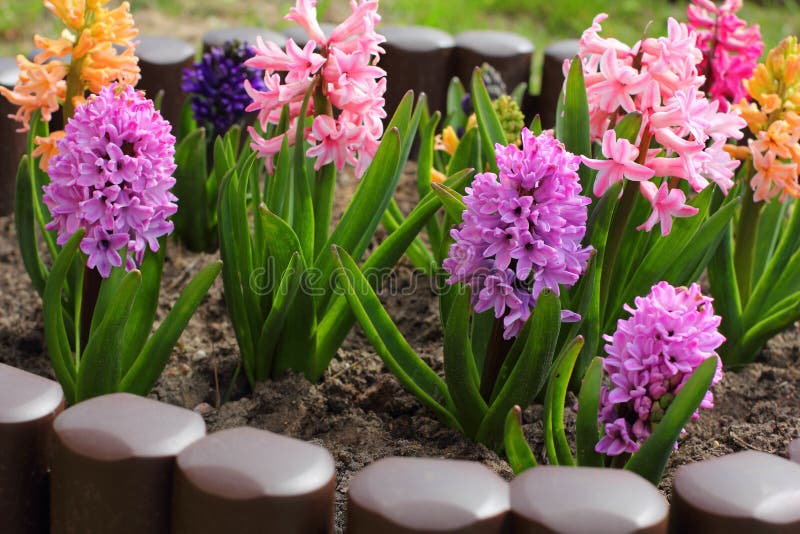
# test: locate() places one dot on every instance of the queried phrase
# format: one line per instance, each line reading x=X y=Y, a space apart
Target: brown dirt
x=359 y=411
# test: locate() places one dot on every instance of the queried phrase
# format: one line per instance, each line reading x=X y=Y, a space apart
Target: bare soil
x=359 y=411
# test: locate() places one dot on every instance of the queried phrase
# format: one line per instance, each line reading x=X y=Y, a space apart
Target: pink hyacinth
x=657 y=78
x=730 y=47
x=342 y=68
x=521 y=230
x=651 y=355
x=112 y=176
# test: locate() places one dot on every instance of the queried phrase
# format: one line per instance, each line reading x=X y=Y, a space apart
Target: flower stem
x=91 y=290
x=614 y=240
x=496 y=354
x=744 y=251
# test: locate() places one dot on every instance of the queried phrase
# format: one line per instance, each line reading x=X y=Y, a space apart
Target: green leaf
x=530 y=372
x=519 y=453
x=586 y=426
x=323 y=205
x=455 y=112
x=397 y=354
x=651 y=458
x=536 y=125
x=451 y=200
x=145 y=305
x=724 y=287
x=460 y=371
x=26 y=227
x=467 y=153
x=573 y=128
x=302 y=220
x=489 y=125
x=518 y=93
x=99 y=371
x=283 y=298
x=55 y=334
x=555 y=439
x=770 y=223
x=338 y=320
x=417 y=252
x=144 y=372
x=191 y=220
x=781 y=316
x=186 y=124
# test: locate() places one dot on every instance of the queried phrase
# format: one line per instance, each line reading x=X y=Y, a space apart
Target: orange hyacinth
x=773 y=120
x=93 y=37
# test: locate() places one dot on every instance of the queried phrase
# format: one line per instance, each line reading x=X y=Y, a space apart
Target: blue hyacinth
x=216 y=86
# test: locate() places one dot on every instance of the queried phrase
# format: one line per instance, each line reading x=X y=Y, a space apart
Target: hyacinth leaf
x=779 y=317
x=519 y=92
x=481 y=333
x=339 y=319
x=143 y=311
x=99 y=369
x=787 y=246
x=770 y=223
x=302 y=219
x=26 y=227
x=651 y=458
x=572 y=128
x=452 y=201
x=427 y=131
x=586 y=426
x=555 y=438
x=629 y=127
x=58 y=346
x=589 y=326
x=536 y=125
x=282 y=242
x=460 y=372
x=277 y=189
x=186 y=123
x=787 y=284
x=531 y=370
x=229 y=228
x=150 y=362
x=722 y=279
x=467 y=153
x=283 y=298
x=417 y=252
x=190 y=188
x=372 y=196
x=519 y=453
x=389 y=343
x=701 y=246
x=298 y=336
x=489 y=125
x=455 y=112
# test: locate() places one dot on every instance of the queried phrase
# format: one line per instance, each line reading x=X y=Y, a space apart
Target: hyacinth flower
x=321 y=112
x=209 y=137
x=661 y=363
x=110 y=202
x=753 y=275
x=516 y=245
x=96 y=48
x=653 y=149
x=731 y=49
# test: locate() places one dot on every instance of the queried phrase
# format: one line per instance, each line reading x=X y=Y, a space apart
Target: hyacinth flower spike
x=661 y=363
x=753 y=274
x=110 y=202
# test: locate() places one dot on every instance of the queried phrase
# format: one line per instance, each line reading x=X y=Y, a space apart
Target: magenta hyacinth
x=730 y=47
x=343 y=64
x=521 y=230
x=651 y=355
x=112 y=176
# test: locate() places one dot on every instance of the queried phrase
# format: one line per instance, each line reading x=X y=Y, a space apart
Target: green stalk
x=618 y=224
x=495 y=356
x=87 y=303
x=746 y=233
x=324 y=188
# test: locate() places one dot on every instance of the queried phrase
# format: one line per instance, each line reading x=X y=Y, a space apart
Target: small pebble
x=203 y=409
x=200 y=355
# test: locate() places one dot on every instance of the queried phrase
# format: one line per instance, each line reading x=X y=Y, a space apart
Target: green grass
x=542 y=21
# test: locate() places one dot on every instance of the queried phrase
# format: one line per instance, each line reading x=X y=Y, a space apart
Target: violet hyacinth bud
x=216 y=85
x=112 y=176
x=651 y=355
x=521 y=231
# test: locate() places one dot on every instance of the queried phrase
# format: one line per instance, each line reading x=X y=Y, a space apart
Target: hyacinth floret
x=216 y=85
x=342 y=69
x=650 y=356
x=730 y=47
x=112 y=176
x=521 y=230
x=658 y=77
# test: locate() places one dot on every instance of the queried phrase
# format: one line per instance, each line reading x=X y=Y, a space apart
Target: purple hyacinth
x=521 y=231
x=650 y=357
x=216 y=85
x=112 y=176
